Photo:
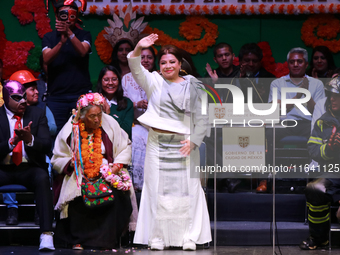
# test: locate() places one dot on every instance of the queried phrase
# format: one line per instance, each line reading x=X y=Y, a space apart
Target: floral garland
x=92 y=157
x=103 y=47
x=318 y=27
x=239 y=9
x=23 y=10
x=120 y=181
x=268 y=61
x=191 y=29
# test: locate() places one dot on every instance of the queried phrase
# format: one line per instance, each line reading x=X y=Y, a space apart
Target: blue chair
x=13 y=188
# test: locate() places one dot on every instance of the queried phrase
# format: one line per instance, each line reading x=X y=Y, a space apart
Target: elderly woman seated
x=92 y=148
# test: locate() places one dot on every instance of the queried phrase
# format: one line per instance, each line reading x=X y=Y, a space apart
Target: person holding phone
x=66 y=52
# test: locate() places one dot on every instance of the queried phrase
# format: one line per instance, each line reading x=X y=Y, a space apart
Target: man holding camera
x=66 y=53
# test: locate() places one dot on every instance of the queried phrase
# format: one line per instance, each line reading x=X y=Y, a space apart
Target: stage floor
x=221 y=250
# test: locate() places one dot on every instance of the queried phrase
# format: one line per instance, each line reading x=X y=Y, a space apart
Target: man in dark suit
x=24 y=139
x=252 y=74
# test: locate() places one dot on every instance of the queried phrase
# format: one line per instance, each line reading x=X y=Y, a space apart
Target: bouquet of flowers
x=120 y=181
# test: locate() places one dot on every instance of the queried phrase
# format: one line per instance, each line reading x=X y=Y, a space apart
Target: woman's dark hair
x=114 y=58
x=188 y=64
x=182 y=56
x=154 y=57
x=328 y=55
x=121 y=101
x=170 y=49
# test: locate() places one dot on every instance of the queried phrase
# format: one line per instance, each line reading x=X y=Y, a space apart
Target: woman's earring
x=183 y=71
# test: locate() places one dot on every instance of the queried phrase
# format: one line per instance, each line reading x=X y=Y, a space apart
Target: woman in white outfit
x=173 y=209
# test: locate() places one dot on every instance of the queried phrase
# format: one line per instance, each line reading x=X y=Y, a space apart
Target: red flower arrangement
x=191 y=29
x=318 y=27
x=24 y=10
x=103 y=47
x=14 y=54
x=196 y=9
x=268 y=61
x=3 y=39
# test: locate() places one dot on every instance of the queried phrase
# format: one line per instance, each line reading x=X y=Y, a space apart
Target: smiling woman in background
x=322 y=63
x=120 y=107
x=119 y=53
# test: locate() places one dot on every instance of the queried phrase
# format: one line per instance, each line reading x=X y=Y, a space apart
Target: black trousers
x=318 y=209
x=35 y=179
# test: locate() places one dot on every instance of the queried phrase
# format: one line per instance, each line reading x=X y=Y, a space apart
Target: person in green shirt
x=119 y=107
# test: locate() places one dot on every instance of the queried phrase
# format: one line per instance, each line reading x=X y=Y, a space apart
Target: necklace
x=91 y=151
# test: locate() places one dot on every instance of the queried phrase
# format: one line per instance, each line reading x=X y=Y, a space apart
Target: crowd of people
x=154 y=120
x=321 y=129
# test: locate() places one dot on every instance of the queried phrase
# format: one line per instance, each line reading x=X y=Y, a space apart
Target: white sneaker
x=189 y=246
x=46 y=242
x=157 y=244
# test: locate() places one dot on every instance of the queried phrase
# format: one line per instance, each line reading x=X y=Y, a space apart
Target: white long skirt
x=173 y=206
x=139 y=141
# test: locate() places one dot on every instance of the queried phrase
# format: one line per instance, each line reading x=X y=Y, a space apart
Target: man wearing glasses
x=66 y=52
x=24 y=139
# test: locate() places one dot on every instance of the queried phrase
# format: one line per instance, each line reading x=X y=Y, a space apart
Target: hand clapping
x=212 y=73
x=24 y=134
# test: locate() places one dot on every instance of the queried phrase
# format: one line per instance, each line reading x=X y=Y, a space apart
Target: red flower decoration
x=28 y=10
x=236 y=61
x=323 y=30
x=91 y=188
x=103 y=187
x=14 y=54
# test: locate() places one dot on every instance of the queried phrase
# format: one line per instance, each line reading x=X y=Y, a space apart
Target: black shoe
x=310 y=244
x=233 y=185
x=12 y=216
x=36 y=218
x=124 y=240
